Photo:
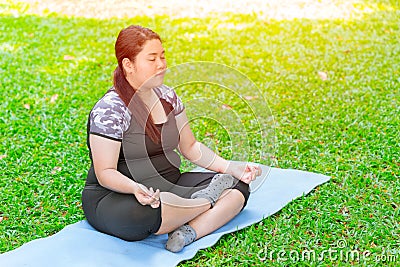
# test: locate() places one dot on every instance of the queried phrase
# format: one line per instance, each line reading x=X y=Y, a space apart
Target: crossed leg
x=226 y=208
x=176 y=211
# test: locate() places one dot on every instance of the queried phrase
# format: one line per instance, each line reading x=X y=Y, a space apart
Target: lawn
x=331 y=83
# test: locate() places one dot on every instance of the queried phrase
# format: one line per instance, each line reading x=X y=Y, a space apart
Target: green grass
x=346 y=126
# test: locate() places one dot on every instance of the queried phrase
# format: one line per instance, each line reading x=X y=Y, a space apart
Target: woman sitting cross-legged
x=134 y=187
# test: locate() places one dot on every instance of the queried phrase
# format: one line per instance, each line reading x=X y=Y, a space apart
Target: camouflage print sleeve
x=170 y=96
x=110 y=117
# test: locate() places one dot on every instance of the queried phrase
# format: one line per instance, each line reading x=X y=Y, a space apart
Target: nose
x=161 y=64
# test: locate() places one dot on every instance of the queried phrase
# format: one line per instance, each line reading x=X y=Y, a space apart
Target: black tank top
x=154 y=165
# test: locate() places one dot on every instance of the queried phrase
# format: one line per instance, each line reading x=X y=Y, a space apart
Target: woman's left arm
x=202 y=156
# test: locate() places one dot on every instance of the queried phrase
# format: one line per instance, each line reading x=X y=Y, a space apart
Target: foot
x=213 y=191
x=181 y=237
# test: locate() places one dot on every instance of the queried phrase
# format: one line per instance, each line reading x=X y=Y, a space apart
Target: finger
x=249 y=167
x=259 y=171
x=155 y=205
x=155 y=197
x=256 y=170
x=149 y=192
x=253 y=167
x=144 y=202
x=157 y=194
x=251 y=176
x=149 y=201
x=246 y=178
x=255 y=174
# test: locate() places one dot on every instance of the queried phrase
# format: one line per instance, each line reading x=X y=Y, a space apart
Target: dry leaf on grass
x=53 y=98
x=56 y=169
x=344 y=211
x=323 y=75
x=68 y=57
x=250 y=97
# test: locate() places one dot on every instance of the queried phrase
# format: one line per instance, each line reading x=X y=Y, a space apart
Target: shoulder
x=110 y=117
x=110 y=102
x=171 y=97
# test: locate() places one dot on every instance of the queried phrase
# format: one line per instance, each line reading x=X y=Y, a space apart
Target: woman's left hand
x=243 y=171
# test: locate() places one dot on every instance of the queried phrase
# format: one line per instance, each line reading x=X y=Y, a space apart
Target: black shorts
x=121 y=215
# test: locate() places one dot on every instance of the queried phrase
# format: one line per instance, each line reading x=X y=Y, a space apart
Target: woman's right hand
x=147 y=196
x=244 y=172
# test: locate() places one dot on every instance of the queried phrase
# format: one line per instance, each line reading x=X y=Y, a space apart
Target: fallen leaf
x=225 y=106
x=68 y=57
x=27 y=106
x=250 y=97
x=3 y=156
x=344 y=210
x=56 y=169
x=53 y=98
x=323 y=75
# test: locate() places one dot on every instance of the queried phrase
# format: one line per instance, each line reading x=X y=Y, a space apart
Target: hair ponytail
x=129 y=43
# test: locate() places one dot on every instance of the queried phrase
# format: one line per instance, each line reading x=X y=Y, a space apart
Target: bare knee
x=234 y=196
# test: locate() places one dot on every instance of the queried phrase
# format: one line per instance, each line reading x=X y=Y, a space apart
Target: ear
x=128 y=66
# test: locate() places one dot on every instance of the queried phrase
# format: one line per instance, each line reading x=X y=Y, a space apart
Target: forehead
x=152 y=46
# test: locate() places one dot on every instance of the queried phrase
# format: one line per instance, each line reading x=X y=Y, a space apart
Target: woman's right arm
x=105 y=153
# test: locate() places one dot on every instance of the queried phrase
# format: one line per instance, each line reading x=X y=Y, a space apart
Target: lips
x=161 y=73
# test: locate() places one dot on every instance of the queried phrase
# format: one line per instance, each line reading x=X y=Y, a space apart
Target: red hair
x=129 y=44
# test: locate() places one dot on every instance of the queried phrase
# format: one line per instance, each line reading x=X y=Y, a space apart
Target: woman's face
x=149 y=67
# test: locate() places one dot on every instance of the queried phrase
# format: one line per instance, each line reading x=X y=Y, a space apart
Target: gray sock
x=213 y=191
x=181 y=237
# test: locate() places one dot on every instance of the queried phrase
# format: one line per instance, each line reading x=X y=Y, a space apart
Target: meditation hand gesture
x=243 y=171
x=147 y=196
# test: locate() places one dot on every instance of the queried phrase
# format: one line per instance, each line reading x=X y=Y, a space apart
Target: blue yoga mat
x=81 y=245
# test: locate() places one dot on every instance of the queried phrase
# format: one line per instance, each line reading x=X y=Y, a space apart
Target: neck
x=132 y=82
x=145 y=93
x=142 y=91
x=148 y=97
